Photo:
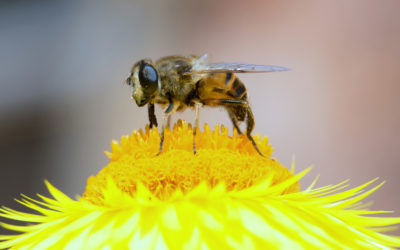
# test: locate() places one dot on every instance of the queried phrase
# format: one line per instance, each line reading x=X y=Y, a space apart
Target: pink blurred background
x=63 y=63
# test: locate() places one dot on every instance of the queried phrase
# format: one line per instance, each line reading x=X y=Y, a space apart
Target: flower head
x=224 y=196
x=219 y=159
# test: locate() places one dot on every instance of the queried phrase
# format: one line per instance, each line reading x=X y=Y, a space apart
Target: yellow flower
x=225 y=196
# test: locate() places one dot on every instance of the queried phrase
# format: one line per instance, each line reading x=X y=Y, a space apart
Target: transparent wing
x=235 y=67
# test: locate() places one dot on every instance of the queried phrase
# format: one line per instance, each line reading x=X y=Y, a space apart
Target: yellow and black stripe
x=237 y=90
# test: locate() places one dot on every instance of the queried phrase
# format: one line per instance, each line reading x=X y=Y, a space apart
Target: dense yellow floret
x=220 y=158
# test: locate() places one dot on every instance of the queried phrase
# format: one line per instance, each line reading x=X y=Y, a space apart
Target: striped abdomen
x=236 y=87
x=221 y=86
x=225 y=89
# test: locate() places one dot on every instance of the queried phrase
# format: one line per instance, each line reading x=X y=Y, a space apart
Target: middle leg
x=197 y=106
x=167 y=113
x=164 y=123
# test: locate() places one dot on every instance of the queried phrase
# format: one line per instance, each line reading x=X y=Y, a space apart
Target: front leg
x=152 y=115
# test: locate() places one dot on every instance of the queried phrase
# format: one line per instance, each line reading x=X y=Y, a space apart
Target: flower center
x=219 y=158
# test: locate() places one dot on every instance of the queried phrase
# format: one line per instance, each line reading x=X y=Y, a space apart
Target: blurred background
x=63 y=99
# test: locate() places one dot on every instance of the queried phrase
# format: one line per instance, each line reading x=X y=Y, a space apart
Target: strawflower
x=225 y=197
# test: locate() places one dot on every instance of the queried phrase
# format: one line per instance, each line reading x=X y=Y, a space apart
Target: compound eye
x=148 y=77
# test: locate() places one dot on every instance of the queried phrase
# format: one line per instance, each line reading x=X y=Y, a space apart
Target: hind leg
x=250 y=127
x=235 y=122
x=238 y=110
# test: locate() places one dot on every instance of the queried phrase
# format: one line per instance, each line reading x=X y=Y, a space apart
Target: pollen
x=220 y=158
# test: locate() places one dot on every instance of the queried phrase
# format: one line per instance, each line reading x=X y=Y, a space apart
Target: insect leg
x=164 y=123
x=235 y=123
x=169 y=122
x=152 y=115
x=250 y=127
x=196 y=124
x=224 y=101
x=231 y=114
x=250 y=116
